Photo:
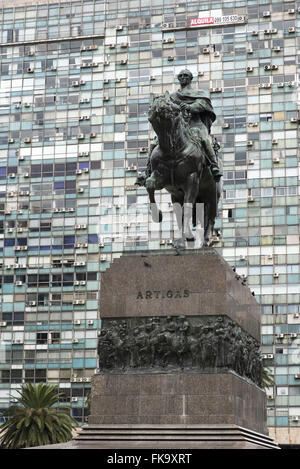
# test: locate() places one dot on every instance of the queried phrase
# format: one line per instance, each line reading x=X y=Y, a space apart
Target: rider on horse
x=197 y=111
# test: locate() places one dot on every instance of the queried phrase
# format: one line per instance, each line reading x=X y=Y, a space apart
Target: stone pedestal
x=205 y=392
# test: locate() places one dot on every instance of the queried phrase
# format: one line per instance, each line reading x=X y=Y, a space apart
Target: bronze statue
x=183 y=159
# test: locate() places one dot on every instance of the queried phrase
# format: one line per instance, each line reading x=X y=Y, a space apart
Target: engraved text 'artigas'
x=161 y=294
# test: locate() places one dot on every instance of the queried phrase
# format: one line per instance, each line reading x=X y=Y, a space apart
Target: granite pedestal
x=185 y=406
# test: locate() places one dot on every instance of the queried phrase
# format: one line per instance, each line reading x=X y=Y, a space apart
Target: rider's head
x=185 y=76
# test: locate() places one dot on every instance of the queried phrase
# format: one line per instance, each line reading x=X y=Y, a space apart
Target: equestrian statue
x=183 y=158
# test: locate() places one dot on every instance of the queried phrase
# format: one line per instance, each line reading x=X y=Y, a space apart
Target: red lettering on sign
x=199 y=21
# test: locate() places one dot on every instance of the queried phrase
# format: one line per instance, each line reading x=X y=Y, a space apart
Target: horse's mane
x=164 y=100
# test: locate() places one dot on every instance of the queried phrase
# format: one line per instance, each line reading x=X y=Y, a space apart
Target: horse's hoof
x=178 y=243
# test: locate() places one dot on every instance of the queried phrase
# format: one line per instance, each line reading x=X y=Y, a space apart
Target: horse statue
x=178 y=163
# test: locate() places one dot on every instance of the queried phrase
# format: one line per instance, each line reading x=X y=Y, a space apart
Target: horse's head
x=163 y=109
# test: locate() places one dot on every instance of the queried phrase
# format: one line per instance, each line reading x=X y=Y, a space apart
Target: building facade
x=76 y=81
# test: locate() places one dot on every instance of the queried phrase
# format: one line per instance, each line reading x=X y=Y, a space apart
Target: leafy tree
x=34 y=421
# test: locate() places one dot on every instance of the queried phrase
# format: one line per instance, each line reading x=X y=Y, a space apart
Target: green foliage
x=34 y=421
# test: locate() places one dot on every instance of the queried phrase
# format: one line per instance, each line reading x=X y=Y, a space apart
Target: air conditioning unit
x=280 y=85
x=254 y=33
x=274 y=67
x=21 y=158
x=82 y=282
x=75 y=341
x=280 y=336
x=30 y=53
x=124 y=44
x=250 y=198
x=295 y=418
x=30 y=70
x=79 y=264
x=291 y=11
x=19 y=283
x=119 y=27
x=24 y=193
x=80 y=190
x=293 y=336
x=90 y=322
x=74 y=399
x=249 y=51
x=83 y=153
x=215 y=90
x=78 y=171
x=80 y=136
x=170 y=58
x=10 y=230
x=3 y=323
x=294 y=119
x=296 y=376
x=32 y=303
x=77 y=322
x=12 y=175
x=11 y=140
x=296 y=315
x=267 y=67
x=93 y=135
x=101 y=245
x=251 y=162
x=250 y=143
x=27 y=140
x=206 y=50
x=291 y=29
x=143 y=150
x=75 y=83
x=266 y=14
x=78 y=302
x=106 y=63
x=103 y=258
x=84 y=100
x=53 y=68
x=276 y=160
x=291 y=84
x=274 y=141
x=118 y=80
x=249 y=69
x=276 y=49
x=270 y=355
x=217 y=54
x=225 y=125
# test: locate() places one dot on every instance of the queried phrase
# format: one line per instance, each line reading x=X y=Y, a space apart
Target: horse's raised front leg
x=190 y=197
x=155 y=211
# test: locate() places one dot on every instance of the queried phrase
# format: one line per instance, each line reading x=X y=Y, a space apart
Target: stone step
x=106 y=436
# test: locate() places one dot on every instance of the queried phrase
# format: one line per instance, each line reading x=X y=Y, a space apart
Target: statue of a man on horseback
x=183 y=157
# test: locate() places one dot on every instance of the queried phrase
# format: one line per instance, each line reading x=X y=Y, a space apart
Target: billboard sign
x=217 y=21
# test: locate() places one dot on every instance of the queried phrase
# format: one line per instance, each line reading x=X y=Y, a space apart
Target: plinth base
x=137 y=437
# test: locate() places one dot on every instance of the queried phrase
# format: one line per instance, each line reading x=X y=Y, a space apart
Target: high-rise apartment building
x=75 y=86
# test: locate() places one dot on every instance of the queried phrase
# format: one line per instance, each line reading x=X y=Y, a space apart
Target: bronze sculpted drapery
x=183 y=159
